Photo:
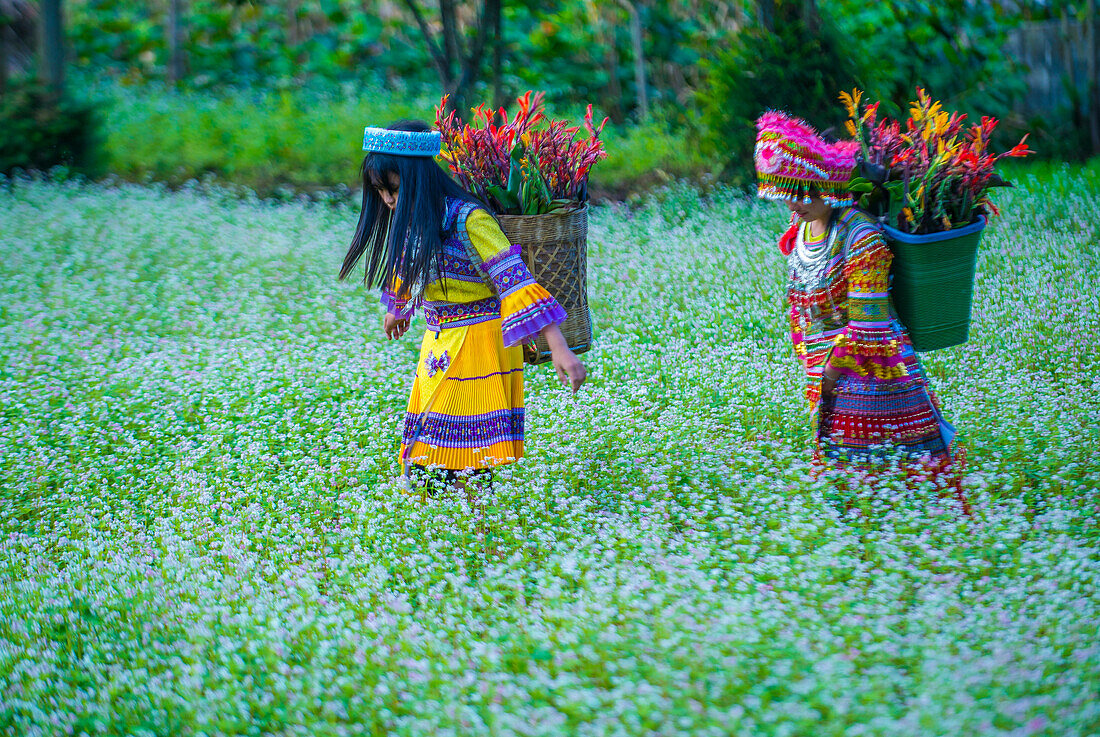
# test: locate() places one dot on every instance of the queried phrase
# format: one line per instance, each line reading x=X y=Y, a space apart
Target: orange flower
x=851 y=101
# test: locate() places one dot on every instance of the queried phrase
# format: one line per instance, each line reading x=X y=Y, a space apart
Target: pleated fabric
x=466 y=406
x=869 y=419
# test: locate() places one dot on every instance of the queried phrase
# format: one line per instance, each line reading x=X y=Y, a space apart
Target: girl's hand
x=394 y=327
x=828 y=381
x=570 y=369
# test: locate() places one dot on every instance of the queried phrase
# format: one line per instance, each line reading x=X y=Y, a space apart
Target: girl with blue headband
x=431 y=245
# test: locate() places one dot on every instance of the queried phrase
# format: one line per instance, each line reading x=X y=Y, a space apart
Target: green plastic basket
x=932 y=284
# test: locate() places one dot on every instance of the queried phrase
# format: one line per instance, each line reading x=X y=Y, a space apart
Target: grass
x=201 y=531
x=297 y=140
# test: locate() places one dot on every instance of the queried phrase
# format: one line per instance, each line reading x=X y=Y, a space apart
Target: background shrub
x=38 y=131
x=797 y=68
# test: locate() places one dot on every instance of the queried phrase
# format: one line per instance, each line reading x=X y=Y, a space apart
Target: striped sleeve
x=868 y=346
x=395 y=299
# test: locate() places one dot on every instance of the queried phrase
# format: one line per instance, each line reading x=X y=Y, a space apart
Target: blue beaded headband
x=401 y=143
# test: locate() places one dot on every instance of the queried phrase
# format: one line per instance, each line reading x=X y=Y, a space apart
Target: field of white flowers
x=201 y=532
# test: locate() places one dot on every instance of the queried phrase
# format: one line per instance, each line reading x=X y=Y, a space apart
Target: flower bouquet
x=526 y=165
x=933 y=175
x=929 y=182
x=533 y=172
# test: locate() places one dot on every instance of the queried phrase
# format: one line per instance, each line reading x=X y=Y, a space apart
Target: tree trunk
x=471 y=64
x=52 y=60
x=176 y=53
x=498 y=55
x=809 y=13
x=292 y=22
x=452 y=47
x=3 y=53
x=439 y=57
x=459 y=65
x=765 y=14
x=1093 y=82
x=639 y=58
x=740 y=17
x=613 y=104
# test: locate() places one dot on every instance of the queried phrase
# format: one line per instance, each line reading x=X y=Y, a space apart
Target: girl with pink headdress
x=869 y=396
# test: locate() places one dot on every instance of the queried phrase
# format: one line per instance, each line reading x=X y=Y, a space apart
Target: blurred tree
x=18 y=39
x=40 y=125
x=1093 y=76
x=4 y=22
x=638 y=48
x=798 y=67
x=954 y=48
x=456 y=49
x=177 y=52
x=52 y=50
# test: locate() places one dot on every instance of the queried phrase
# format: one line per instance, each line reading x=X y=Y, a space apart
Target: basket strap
x=463 y=236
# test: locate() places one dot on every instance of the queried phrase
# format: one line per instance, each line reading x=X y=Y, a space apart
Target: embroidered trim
x=434 y=364
x=529 y=321
x=399 y=307
x=401 y=143
x=443 y=315
x=464 y=431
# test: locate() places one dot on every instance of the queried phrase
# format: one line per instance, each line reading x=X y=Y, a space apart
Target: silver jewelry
x=809 y=267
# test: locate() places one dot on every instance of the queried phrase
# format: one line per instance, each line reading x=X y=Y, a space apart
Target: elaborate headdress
x=401 y=143
x=793 y=161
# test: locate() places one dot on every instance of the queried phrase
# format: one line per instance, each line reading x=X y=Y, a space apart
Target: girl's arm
x=527 y=309
x=570 y=370
x=525 y=306
x=395 y=298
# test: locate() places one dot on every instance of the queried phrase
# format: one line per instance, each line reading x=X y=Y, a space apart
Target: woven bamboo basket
x=555 y=249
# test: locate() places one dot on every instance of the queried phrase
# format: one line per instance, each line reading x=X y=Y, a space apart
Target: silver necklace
x=809 y=267
x=810 y=262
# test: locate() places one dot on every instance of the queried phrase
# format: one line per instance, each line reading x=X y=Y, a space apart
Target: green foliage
x=304 y=139
x=526 y=193
x=646 y=155
x=952 y=48
x=797 y=68
x=263 y=139
x=235 y=42
x=38 y=131
x=273 y=43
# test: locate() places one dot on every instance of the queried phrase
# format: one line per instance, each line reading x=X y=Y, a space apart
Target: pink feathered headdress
x=793 y=162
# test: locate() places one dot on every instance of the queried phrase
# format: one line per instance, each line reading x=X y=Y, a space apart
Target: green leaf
x=504 y=198
x=515 y=178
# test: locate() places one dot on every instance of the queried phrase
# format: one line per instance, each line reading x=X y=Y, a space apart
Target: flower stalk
x=930 y=175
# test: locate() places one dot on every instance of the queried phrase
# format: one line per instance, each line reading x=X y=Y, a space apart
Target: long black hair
x=406 y=242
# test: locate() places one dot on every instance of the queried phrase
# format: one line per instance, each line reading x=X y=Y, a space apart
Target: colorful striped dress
x=840 y=313
x=466 y=406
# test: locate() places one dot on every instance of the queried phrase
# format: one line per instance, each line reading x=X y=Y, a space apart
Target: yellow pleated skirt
x=466 y=406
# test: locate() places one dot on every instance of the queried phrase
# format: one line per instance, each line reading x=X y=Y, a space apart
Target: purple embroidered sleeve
x=400 y=308
x=508 y=272
x=526 y=323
